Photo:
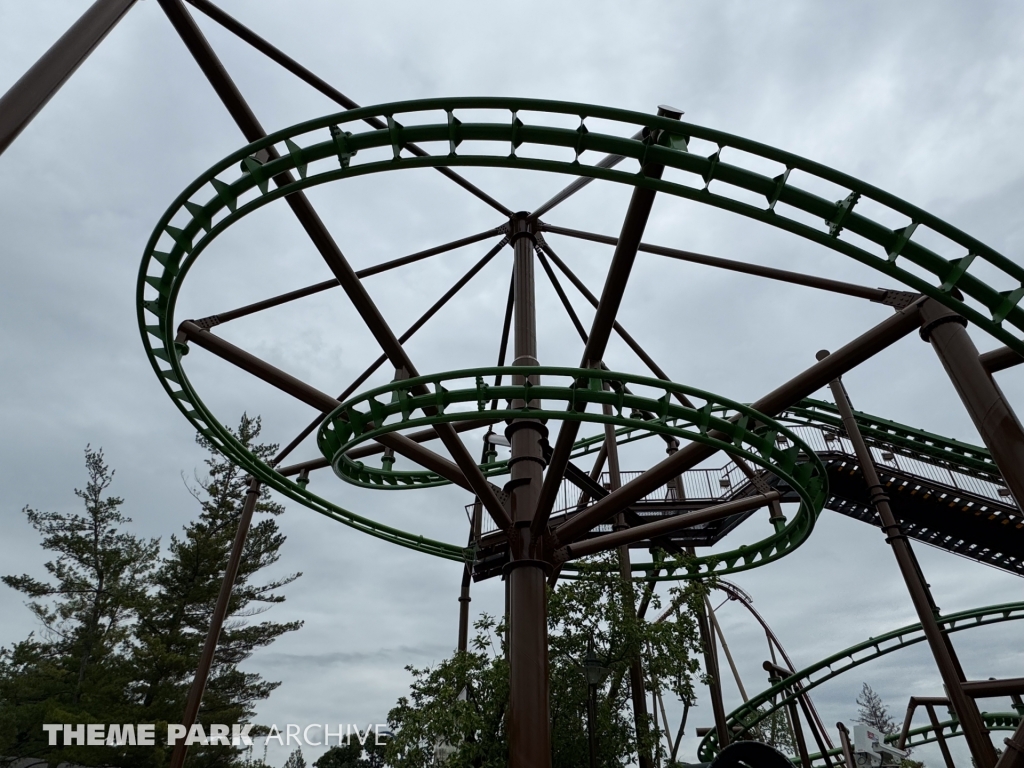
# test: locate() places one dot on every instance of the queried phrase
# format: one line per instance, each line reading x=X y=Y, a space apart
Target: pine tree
x=295 y=759
x=75 y=672
x=175 y=621
x=872 y=712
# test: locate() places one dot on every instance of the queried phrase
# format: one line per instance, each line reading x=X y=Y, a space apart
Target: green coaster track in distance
x=761 y=705
x=337 y=146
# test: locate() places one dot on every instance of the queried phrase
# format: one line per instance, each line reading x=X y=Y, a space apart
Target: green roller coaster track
x=323 y=150
x=761 y=705
x=747 y=433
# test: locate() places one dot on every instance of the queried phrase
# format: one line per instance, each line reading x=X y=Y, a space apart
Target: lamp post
x=596 y=675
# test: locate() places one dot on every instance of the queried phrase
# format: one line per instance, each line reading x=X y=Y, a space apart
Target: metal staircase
x=945 y=493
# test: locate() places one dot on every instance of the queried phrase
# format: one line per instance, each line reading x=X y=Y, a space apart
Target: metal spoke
x=300 y=293
x=630 y=341
x=880 y=295
x=315 y=398
x=608 y=161
x=275 y=54
x=460 y=283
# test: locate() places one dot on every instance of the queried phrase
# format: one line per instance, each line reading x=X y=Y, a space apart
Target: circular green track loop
x=464 y=395
x=747 y=716
x=339 y=146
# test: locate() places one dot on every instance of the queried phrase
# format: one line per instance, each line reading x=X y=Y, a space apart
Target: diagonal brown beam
x=23 y=100
x=823 y=283
x=1000 y=359
x=372 y=449
x=460 y=283
x=274 y=54
x=608 y=161
x=633 y=225
x=309 y=290
x=236 y=105
x=666 y=527
x=227 y=584
x=817 y=376
x=315 y=398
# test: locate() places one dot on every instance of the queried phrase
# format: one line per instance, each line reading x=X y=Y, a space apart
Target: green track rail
x=831 y=667
x=338 y=146
x=893 y=435
x=464 y=395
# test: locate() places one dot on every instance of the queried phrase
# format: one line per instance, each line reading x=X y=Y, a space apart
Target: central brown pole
x=952 y=674
x=529 y=729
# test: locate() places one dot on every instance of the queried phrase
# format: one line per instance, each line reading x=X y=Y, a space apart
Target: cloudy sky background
x=922 y=99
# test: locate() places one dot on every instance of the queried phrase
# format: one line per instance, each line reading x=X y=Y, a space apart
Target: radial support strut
x=43 y=79
x=942 y=649
x=992 y=415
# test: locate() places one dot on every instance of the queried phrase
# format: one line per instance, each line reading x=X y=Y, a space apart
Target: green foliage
x=353 y=755
x=295 y=759
x=458 y=707
x=122 y=625
x=76 y=671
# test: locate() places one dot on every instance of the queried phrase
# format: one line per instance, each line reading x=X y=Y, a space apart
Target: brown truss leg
x=26 y=97
x=195 y=692
x=992 y=415
x=942 y=649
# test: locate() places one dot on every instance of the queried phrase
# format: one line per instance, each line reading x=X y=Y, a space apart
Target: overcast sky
x=923 y=99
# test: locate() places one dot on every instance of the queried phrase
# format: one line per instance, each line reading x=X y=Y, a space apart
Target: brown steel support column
x=707 y=641
x=942 y=649
x=798 y=734
x=636 y=672
x=822 y=749
x=996 y=422
x=464 y=601
x=529 y=729
x=1013 y=755
x=844 y=740
x=947 y=758
x=43 y=79
x=195 y=692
